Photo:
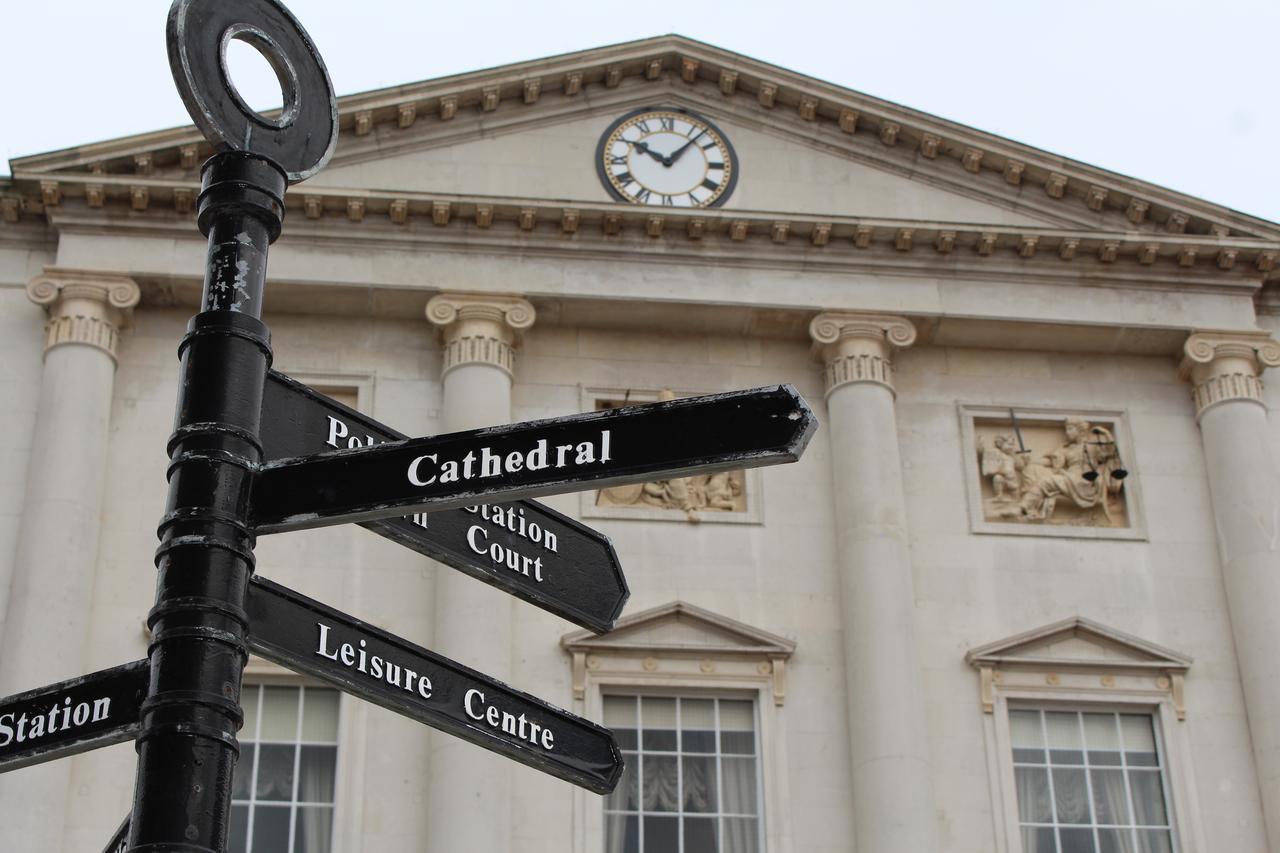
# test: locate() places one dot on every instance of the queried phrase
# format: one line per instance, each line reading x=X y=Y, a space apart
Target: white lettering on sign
x=338 y=430
x=427 y=469
x=510 y=518
x=20 y=728
x=376 y=667
x=517 y=726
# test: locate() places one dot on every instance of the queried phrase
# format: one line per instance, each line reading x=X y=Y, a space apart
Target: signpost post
x=255 y=452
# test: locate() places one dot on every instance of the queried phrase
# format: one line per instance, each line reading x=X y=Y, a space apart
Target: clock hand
x=645 y=149
x=674 y=156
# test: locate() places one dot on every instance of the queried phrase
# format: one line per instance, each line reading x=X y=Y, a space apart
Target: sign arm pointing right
x=716 y=432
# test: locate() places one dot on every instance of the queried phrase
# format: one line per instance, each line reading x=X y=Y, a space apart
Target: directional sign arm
x=312 y=638
x=740 y=429
x=73 y=716
x=524 y=548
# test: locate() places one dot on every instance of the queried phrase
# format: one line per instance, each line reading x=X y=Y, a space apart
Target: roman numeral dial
x=666 y=157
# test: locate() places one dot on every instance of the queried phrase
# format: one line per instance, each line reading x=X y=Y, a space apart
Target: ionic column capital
x=84 y=307
x=1223 y=366
x=480 y=328
x=859 y=347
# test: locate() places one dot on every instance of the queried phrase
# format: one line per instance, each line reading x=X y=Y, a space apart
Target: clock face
x=668 y=158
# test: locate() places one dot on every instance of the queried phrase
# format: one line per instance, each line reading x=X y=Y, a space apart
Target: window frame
x=733 y=660
x=702 y=693
x=1171 y=740
x=348 y=799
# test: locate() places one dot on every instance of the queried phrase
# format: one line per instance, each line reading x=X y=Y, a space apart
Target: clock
x=666 y=157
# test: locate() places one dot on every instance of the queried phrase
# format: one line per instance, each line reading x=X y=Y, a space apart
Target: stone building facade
x=1020 y=594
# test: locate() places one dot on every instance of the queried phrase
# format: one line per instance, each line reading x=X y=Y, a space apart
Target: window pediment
x=679 y=639
x=1078 y=654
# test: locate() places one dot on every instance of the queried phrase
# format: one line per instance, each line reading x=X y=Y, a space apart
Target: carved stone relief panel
x=1049 y=472
x=727 y=496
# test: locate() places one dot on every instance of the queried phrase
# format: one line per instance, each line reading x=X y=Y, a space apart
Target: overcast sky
x=1179 y=93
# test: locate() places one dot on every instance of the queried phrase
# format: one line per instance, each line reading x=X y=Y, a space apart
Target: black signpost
x=526 y=548
x=255 y=452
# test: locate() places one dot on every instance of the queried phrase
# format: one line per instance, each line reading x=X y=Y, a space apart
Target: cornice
x=1179 y=262
x=951 y=152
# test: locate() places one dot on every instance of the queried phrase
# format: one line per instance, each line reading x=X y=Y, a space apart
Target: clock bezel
x=603 y=174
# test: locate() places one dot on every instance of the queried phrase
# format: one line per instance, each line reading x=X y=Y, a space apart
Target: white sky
x=1180 y=93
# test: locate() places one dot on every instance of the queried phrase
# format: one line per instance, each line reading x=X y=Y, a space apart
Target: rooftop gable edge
x=809 y=102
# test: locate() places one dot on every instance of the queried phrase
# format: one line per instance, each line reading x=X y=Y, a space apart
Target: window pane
x=244 y=772
x=1139 y=740
x=739 y=781
x=1038 y=840
x=658 y=713
x=314 y=830
x=275 y=773
x=658 y=719
x=660 y=784
x=320 y=716
x=697 y=725
x=1070 y=797
x=279 y=713
x=1076 y=840
x=249 y=702
x=1110 y=802
x=620 y=712
x=621 y=834
x=1063 y=730
x=315 y=773
x=1148 y=798
x=737 y=715
x=1115 y=841
x=1154 y=841
x=626 y=796
x=270 y=829
x=1033 y=795
x=1102 y=737
x=741 y=835
x=1024 y=729
x=700 y=835
x=738 y=743
x=699 y=783
x=239 y=839
x=661 y=834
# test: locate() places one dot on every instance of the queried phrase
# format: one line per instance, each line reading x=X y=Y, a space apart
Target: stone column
x=893 y=806
x=470 y=790
x=1244 y=485
x=47 y=611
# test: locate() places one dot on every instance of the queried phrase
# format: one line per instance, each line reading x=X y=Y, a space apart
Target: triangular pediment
x=782 y=169
x=681 y=628
x=534 y=126
x=1077 y=643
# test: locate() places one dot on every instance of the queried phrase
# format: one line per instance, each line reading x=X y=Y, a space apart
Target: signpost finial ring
x=302 y=136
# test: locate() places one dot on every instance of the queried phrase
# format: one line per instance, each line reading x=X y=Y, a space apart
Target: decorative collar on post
x=84 y=307
x=1225 y=365
x=480 y=327
x=859 y=347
